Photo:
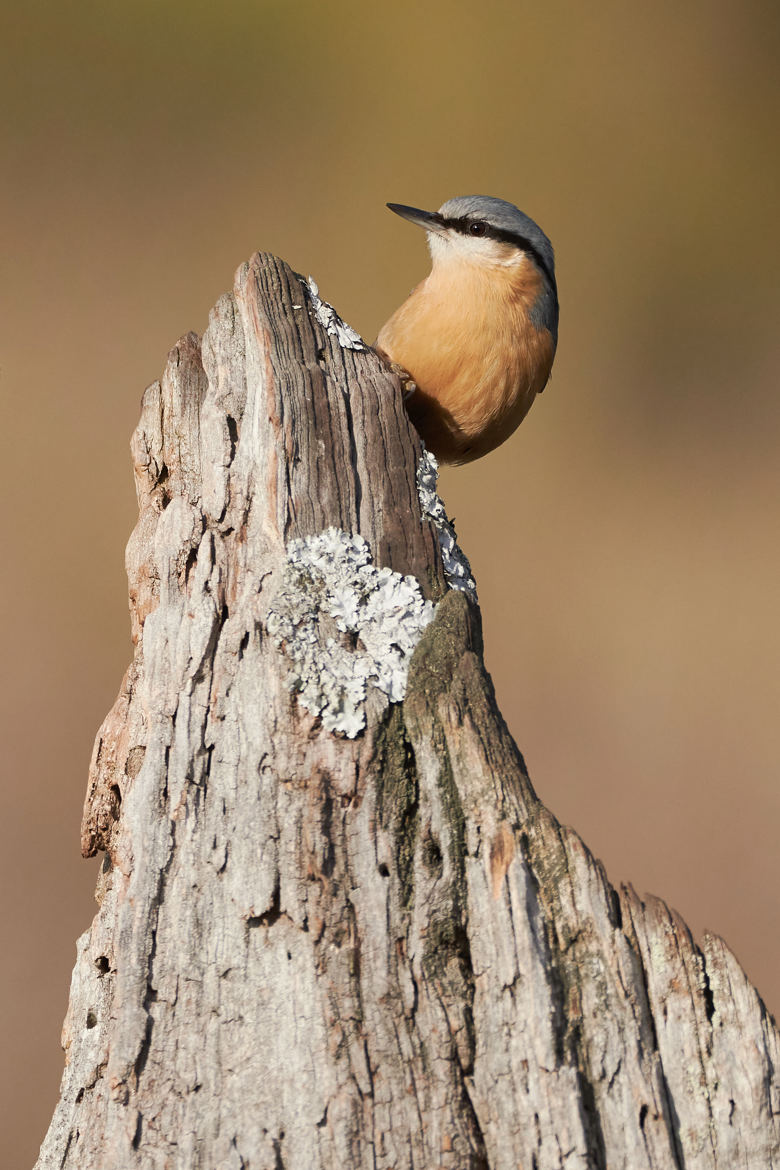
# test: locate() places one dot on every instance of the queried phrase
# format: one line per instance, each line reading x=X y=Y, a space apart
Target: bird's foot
x=408 y=384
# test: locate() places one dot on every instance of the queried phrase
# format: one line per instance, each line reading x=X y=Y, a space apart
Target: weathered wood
x=321 y=944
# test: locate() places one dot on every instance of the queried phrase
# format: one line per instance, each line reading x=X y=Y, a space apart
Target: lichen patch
x=344 y=625
x=347 y=337
x=457 y=570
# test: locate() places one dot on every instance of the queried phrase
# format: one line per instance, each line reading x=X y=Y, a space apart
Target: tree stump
x=336 y=925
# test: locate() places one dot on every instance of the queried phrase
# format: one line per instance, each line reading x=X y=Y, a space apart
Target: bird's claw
x=408 y=384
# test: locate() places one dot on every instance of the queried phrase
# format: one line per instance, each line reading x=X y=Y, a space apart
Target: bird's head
x=479 y=229
x=491 y=233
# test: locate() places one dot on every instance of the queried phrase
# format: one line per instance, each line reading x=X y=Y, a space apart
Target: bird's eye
x=477 y=229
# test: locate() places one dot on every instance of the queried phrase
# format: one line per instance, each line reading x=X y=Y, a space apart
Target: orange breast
x=466 y=338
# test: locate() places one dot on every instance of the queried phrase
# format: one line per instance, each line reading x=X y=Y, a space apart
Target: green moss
x=446 y=937
x=454 y=630
x=444 y=940
x=397 y=797
x=437 y=588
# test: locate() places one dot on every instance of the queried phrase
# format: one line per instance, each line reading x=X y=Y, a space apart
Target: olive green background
x=625 y=540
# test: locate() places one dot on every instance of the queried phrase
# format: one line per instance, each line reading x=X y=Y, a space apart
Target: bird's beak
x=430 y=220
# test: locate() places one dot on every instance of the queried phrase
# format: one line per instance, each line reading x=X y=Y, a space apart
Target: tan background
x=624 y=541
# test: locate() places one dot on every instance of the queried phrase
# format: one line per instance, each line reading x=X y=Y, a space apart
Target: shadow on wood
x=336 y=926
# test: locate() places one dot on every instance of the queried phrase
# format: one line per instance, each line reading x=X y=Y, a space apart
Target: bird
x=474 y=342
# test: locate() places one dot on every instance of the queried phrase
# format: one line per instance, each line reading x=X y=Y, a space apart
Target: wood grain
x=315 y=951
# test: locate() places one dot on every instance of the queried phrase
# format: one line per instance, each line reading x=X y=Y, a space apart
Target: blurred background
x=625 y=541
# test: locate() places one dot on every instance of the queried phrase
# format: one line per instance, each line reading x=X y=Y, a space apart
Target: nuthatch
x=476 y=340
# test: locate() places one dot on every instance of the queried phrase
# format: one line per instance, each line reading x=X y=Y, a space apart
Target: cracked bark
x=382 y=952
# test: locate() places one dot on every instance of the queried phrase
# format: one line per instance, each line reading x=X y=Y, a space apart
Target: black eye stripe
x=463 y=225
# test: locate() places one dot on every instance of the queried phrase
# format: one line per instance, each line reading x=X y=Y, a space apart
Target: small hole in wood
x=431 y=854
x=232 y=426
x=91 y=1019
x=190 y=563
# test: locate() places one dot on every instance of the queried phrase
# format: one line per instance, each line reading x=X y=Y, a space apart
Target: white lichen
x=457 y=570
x=330 y=587
x=347 y=337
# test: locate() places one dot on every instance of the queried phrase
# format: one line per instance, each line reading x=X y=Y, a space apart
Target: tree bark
x=336 y=925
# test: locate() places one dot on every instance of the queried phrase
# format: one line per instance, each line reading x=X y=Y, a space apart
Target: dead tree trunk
x=336 y=926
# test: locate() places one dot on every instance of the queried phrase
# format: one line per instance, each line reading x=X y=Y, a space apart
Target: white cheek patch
x=459 y=248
